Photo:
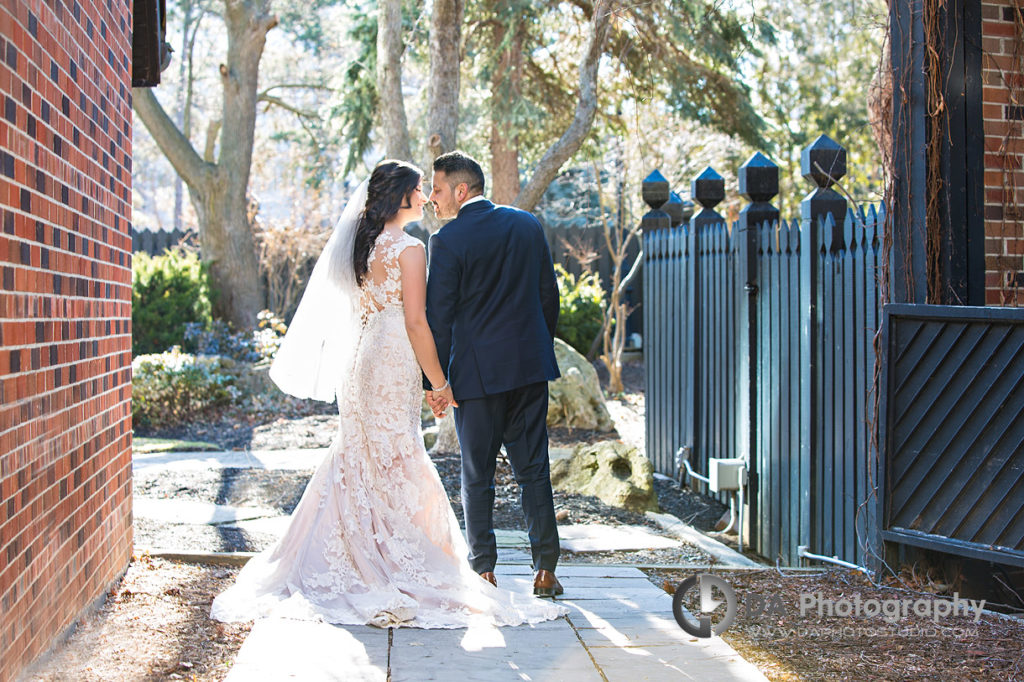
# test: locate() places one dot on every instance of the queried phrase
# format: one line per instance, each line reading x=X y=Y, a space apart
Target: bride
x=374 y=539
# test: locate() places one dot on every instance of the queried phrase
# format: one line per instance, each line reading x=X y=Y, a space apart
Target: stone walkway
x=620 y=625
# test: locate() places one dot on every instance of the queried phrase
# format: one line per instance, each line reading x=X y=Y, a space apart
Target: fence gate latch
x=750 y=288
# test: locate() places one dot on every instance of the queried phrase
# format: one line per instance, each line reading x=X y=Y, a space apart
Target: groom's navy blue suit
x=492 y=305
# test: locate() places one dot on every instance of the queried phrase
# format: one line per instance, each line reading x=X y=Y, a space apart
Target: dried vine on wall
x=937 y=119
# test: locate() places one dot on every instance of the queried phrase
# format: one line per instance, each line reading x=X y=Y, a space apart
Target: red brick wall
x=1003 y=76
x=65 y=310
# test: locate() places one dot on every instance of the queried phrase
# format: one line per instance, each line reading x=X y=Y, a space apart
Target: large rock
x=447 y=440
x=575 y=400
x=611 y=470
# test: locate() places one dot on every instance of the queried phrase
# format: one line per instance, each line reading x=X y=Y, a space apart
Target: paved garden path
x=620 y=625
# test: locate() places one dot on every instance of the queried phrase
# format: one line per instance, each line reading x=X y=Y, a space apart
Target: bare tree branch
x=637 y=264
x=270 y=99
x=211 y=140
x=586 y=108
x=175 y=146
x=295 y=86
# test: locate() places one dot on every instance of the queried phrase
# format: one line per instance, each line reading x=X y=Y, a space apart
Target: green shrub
x=170 y=387
x=581 y=308
x=168 y=293
x=219 y=338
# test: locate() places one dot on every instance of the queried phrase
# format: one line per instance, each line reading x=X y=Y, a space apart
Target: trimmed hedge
x=168 y=293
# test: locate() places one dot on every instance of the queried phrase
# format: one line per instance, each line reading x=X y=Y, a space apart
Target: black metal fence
x=155 y=242
x=759 y=344
x=952 y=424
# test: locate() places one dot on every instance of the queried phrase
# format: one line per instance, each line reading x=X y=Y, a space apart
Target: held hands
x=439 y=401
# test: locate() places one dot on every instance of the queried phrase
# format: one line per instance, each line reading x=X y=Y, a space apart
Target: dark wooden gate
x=952 y=428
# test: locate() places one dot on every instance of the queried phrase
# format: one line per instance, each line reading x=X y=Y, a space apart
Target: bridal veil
x=321 y=339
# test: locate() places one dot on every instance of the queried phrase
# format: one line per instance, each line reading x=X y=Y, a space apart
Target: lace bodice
x=382 y=286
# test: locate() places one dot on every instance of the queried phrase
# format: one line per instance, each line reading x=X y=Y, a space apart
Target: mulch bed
x=155 y=625
x=788 y=645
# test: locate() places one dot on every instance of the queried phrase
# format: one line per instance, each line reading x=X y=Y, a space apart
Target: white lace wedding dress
x=374 y=539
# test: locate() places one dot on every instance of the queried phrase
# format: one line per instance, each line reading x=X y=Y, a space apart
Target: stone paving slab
x=275 y=525
x=635 y=632
x=597 y=611
x=720 y=551
x=672 y=663
x=296 y=460
x=519 y=653
x=512 y=538
x=596 y=537
x=190 y=511
x=564 y=570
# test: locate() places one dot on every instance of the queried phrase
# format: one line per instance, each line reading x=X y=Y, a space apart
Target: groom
x=492 y=304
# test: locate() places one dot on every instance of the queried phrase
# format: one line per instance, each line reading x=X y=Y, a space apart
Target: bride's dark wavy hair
x=391 y=184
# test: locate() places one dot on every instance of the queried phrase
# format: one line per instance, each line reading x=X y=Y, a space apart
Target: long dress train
x=374 y=539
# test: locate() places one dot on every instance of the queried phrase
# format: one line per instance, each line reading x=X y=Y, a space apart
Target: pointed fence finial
x=674 y=208
x=687 y=210
x=759 y=178
x=823 y=162
x=708 y=190
x=655 y=189
x=655 y=192
x=758 y=182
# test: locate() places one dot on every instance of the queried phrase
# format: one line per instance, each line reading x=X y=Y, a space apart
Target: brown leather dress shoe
x=489 y=577
x=545 y=584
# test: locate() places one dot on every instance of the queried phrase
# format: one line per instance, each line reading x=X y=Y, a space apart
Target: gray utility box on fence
x=726 y=474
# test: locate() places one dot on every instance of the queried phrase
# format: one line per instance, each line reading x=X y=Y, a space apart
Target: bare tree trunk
x=506 y=87
x=442 y=88
x=443 y=83
x=219 y=190
x=389 y=80
x=504 y=164
x=586 y=107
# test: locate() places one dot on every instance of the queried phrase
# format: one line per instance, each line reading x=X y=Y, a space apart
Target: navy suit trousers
x=517 y=419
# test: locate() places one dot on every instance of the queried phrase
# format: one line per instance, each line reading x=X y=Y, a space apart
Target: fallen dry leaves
x=154 y=625
x=787 y=645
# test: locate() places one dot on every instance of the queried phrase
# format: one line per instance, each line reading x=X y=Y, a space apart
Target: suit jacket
x=492 y=301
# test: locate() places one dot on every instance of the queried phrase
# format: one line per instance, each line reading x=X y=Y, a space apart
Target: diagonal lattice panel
x=953 y=429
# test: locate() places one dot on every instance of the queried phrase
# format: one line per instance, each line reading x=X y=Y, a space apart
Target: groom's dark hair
x=460 y=167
